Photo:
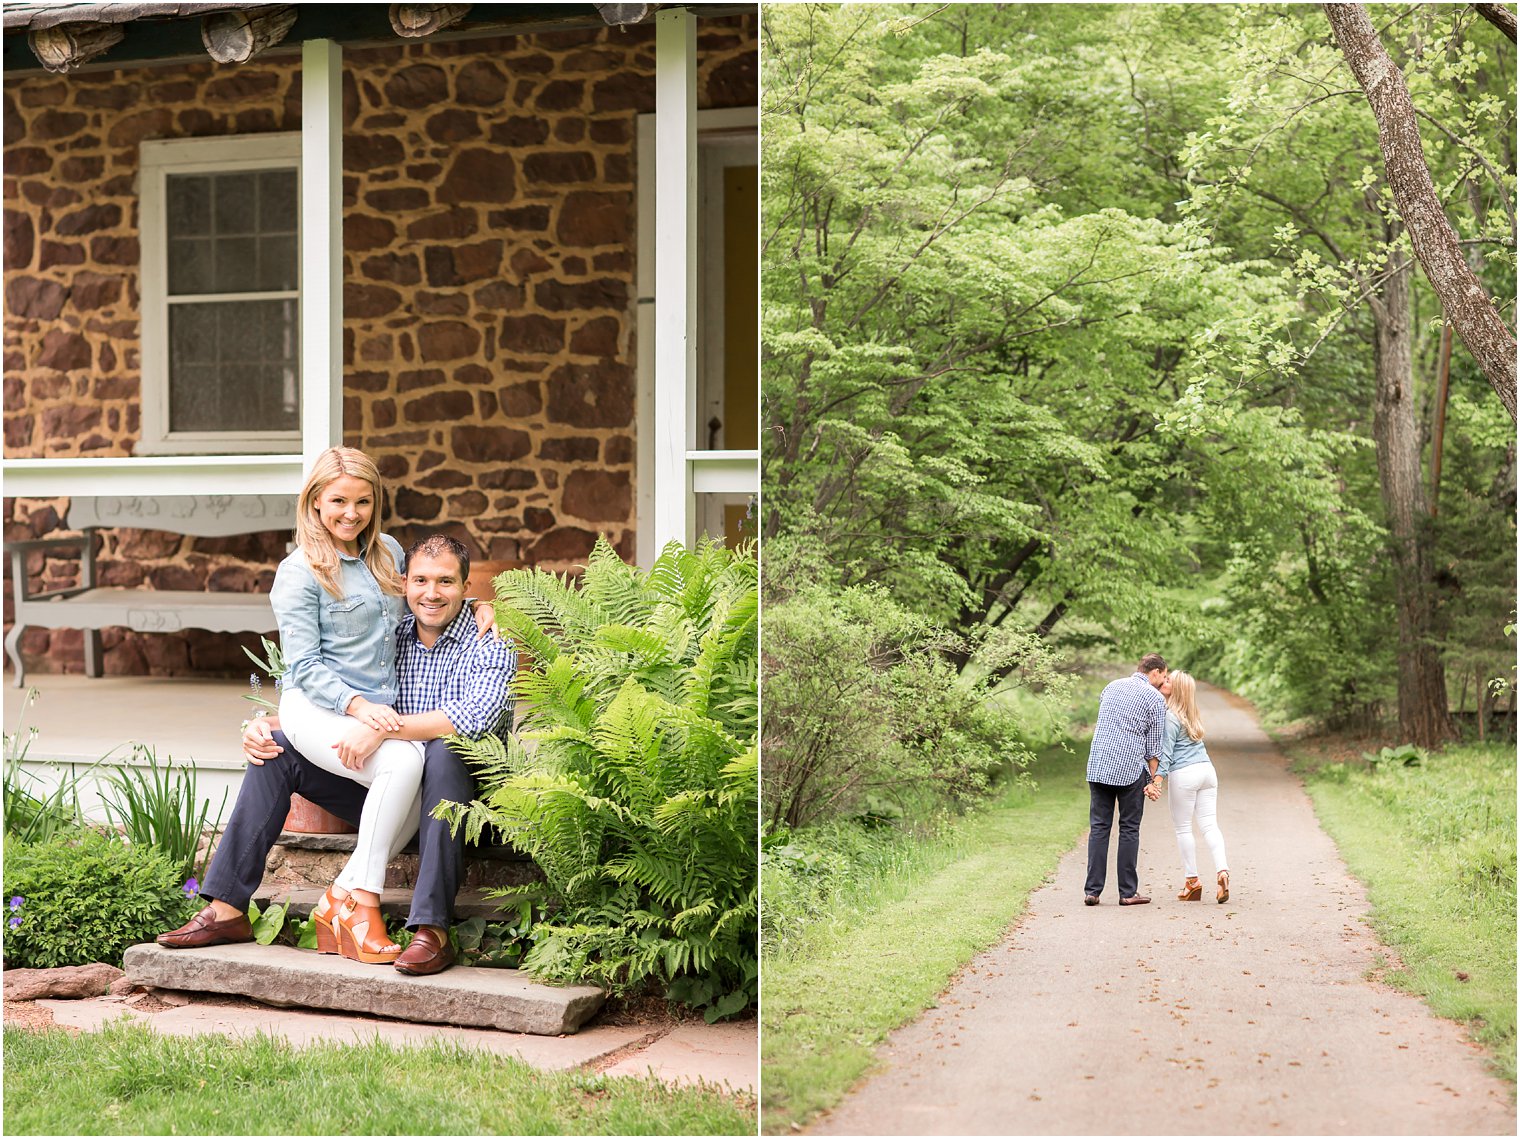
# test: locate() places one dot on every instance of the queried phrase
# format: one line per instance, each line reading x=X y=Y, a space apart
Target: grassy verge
x=1435 y=846
x=126 y=1080
x=887 y=948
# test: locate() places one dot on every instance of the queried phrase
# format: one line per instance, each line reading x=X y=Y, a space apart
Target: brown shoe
x=1134 y=900
x=429 y=953
x=203 y=930
x=1090 y=900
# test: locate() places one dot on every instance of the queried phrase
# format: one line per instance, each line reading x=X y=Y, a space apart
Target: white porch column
x=675 y=260
x=321 y=248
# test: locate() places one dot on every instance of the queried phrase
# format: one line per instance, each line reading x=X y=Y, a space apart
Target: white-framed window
x=221 y=255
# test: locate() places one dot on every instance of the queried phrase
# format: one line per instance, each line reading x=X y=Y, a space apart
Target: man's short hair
x=440 y=545
x=1150 y=662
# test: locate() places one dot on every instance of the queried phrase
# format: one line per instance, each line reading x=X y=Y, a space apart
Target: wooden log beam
x=620 y=15
x=236 y=37
x=413 y=21
x=63 y=47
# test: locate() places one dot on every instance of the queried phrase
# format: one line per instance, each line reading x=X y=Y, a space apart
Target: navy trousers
x=264 y=801
x=1130 y=800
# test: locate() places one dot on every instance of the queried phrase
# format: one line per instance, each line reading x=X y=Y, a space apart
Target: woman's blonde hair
x=313 y=538
x=1183 y=704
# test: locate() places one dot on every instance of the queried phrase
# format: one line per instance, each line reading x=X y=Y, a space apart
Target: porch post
x=675 y=260
x=321 y=248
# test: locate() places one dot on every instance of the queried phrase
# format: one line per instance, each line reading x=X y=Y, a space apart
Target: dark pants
x=264 y=801
x=1131 y=803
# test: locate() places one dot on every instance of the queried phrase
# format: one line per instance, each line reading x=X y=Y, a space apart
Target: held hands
x=382 y=717
x=1153 y=789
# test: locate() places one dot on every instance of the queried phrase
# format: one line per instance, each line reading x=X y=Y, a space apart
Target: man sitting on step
x=449 y=682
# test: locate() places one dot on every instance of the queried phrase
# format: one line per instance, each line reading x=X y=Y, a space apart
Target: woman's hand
x=380 y=716
x=485 y=618
x=357 y=745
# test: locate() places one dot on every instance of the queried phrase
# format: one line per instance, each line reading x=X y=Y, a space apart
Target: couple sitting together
x=369 y=692
x=1148 y=729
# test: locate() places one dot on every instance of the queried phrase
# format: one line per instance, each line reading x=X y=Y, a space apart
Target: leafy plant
x=29 y=816
x=1405 y=755
x=86 y=897
x=156 y=806
x=501 y=944
x=272 y=664
x=638 y=796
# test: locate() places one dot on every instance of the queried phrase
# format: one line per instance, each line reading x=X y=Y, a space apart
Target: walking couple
x=1148 y=730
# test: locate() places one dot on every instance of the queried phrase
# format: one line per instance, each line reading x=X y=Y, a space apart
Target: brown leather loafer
x=1090 y=900
x=429 y=952
x=203 y=930
x=1134 y=900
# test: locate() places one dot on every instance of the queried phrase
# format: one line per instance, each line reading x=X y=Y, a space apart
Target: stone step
x=503 y=999
x=303 y=861
x=393 y=903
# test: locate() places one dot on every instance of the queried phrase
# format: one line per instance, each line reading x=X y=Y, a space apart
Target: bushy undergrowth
x=636 y=790
x=86 y=897
x=863 y=699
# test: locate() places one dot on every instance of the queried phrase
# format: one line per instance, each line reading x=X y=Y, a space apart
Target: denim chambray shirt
x=338 y=648
x=1178 y=749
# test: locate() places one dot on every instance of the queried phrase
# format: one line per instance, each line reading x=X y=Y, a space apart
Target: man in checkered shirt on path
x=1126 y=747
x=449 y=681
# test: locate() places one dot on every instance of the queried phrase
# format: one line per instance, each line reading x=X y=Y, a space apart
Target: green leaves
x=633 y=782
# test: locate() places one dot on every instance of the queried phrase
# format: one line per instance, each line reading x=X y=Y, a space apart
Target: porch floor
x=79 y=718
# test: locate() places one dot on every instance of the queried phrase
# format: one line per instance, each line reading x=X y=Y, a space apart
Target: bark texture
x=1499 y=16
x=1424 y=715
x=1463 y=299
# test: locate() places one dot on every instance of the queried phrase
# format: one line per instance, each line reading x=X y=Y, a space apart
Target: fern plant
x=633 y=777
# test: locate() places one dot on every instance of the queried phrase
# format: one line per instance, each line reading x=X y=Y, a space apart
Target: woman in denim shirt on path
x=338 y=599
x=1195 y=786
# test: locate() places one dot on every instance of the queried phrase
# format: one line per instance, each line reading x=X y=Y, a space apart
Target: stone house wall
x=489 y=243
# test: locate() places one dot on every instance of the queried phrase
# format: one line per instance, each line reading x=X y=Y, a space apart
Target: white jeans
x=1195 y=791
x=393 y=774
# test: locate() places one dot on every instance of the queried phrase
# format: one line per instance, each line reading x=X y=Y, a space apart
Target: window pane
x=189 y=205
x=730 y=518
x=277 y=263
x=248 y=383
x=277 y=201
x=237 y=266
x=236 y=198
x=189 y=266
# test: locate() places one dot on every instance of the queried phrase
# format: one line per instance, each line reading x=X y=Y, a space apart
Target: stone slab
x=393 y=903
x=478 y=998
x=302 y=1027
x=716 y=1054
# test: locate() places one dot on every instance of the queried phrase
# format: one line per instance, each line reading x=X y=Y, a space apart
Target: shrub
x=86 y=897
x=638 y=798
x=155 y=806
x=862 y=700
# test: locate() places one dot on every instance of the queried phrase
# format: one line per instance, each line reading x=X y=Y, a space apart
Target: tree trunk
x=1463 y=300
x=1424 y=715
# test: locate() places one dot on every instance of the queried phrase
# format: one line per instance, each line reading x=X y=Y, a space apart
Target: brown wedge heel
x=1224 y=887
x=1192 y=891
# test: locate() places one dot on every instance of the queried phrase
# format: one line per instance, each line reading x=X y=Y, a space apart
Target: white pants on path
x=393 y=774
x=1195 y=790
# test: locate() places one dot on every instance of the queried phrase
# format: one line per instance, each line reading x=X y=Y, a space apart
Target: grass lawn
x=1435 y=846
x=126 y=1080
x=885 y=954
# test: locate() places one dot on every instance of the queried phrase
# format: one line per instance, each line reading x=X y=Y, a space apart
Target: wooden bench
x=88 y=607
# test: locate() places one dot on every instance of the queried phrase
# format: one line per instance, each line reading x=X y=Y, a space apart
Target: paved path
x=1252 y=1017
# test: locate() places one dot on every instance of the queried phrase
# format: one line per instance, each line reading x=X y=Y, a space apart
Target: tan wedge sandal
x=1192 y=891
x=1224 y=887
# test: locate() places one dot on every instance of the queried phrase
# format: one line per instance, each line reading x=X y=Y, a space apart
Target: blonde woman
x=338 y=599
x=1194 y=786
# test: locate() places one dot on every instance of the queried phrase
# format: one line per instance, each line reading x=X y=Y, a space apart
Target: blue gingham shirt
x=1131 y=723
x=466 y=677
